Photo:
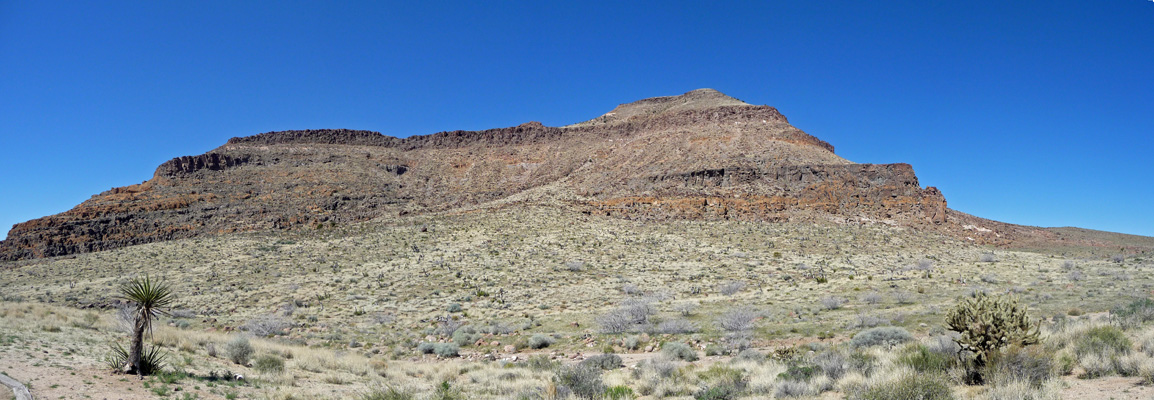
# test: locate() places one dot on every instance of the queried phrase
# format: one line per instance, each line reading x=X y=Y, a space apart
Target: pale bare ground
x=358 y=299
x=1112 y=387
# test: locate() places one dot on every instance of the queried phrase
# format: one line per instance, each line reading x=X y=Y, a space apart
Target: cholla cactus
x=988 y=323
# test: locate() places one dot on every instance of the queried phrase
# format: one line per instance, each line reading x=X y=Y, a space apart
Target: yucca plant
x=150 y=360
x=152 y=299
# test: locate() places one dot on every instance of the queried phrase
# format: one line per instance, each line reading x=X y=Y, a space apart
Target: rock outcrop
x=698 y=155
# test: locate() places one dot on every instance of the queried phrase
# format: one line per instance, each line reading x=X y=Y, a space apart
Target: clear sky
x=1030 y=112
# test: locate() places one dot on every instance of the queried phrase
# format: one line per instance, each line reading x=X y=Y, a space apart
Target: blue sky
x=1030 y=112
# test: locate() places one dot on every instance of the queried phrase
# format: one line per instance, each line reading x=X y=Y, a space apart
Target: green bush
x=910 y=386
x=540 y=341
x=619 y=392
x=799 y=372
x=446 y=350
x=722 y=383
x=1105 y=341
x=583 y=380
x=1026 y=364
x=387 y=393
x=751 y=355
x=1137 y=312
x=714 y=349
x=604 y=361
x=466 y=336
x=832 y=363
x=426 y=348
x=921 y=359
x=679 y=350
x=863 y=363
x=239 y=350
x=888 y=336
x=268 y=363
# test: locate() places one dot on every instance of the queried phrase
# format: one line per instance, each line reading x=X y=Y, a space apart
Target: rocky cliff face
x=698 y=155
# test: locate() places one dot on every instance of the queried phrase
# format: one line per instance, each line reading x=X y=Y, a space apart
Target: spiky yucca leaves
x=151 y=299
x=988 y=323
x=150 y=360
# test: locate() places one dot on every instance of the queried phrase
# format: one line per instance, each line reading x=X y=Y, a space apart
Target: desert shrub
x=426 y=347
x=583 y=380
x=872 y=298
x=864 y=320
x=454 y=307
x=987 y=257
x=988 y=323
x=466 y=336
x=888 y=336
x=663 y=366
x=540 y=363
x=911 y=386
x=632 y=343
x=942 y=344
x=387 y=393
x=676 y=326
x=686 y=308
x=787 y=389
x=731 y=288
x=239 y=350
x=799 y=371
x=722 y=383
x=737 y=320
x=632 y=312
x=1102 y=340
x=862 y=362
x=738 y=341
x=1137 y=312
x=266 y=325
x=446 y=350
x=540 y=341
x=604 y=361
x=921 y=359
x=903 y=297
x=714 y=349
x=832 y=302
x=832 y=363
x=619 y=392
x=449 y=325
x=751 y=355
x=679 y=350
x=268 y=363
x=575 y=266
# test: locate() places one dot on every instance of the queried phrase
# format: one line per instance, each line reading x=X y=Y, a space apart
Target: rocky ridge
x=701 y=155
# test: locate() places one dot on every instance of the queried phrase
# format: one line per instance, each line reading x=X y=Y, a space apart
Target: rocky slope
x=698 y=155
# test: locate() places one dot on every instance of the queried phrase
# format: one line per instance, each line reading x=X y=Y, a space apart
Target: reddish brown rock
x=701 y=155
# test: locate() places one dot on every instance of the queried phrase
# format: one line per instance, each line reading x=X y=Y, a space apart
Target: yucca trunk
x=137 y=350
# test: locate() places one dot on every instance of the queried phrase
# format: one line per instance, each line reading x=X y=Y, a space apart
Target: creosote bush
x=239 y=350
x=540 y=341
x=604 y=361
x=583 y=380
x=679 y=350
x=268 y=363
x=881 y=336
x=919 y=386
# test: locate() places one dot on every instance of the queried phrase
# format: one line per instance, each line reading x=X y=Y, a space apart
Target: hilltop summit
x=699 y=155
